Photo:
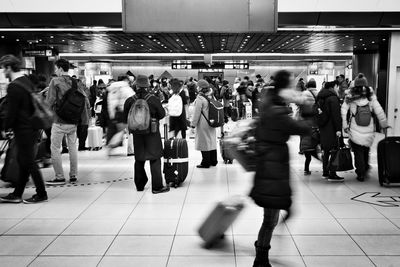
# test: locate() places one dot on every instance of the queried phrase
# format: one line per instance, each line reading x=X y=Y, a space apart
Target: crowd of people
x=323 y=116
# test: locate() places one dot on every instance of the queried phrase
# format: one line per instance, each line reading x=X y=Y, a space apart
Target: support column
x=44 y=67
x=367 y=63
x=393 y=94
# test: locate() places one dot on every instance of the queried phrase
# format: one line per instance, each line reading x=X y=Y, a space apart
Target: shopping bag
x=341 y=159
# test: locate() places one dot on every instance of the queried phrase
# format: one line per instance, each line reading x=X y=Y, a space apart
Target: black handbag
x=341 y=158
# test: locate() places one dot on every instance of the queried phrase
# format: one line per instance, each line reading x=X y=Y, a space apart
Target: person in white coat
x=117 y=94
x=358 y=111
x=206 y=136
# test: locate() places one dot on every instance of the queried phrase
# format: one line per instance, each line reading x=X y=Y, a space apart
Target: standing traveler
x=227 y=95
x=82 y=129
x=165 y=89
x=343 y=86
x=206 y=137
x=192 y=88
x=147 y=142
x=117 y=94
x=330 y=125
x=236 y=85
x=93 y=94
x=18 y=118
x=177 y=123
x=309 y=142
x=301 y=85
x=362 y=105
x=68 y=101
x=271 y=189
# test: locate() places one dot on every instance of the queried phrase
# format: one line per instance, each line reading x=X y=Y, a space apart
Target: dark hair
x=329 y=85
x=311 y=84
x=361 y=91
x=63 y=64
x=342 y=76
x=74 y=76
x=301 y=79
x=281 y=79
x=250 y=83
x=246 y=78
x=100 y=81
x=122 y=77
x=258 y=76
x=225 y=82
x=94 y=82
x=190 y=79
x=11 y=61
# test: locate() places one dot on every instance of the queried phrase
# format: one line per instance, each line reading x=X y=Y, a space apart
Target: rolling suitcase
x=219 y=220
x=234 y=111
x=95 y=138
x=388 y=161
x=224 y=152
x=176 y=160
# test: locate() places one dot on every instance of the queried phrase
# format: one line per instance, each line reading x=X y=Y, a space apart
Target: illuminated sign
x=38 y=52
x=205 y=66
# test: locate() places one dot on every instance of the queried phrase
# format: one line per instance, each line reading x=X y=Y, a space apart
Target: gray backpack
x=139 y=116
x=363 y=115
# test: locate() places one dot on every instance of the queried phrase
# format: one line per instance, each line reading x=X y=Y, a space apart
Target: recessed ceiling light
x=355 y=46
x=122 y=45
x=131 y=40
x=73 y=43
x=81 y=44
x=272 y=50
x=158 y=42
x=291 y=39
x=373 y=42
x=262 y=44
x=30 y=42
x=365 y=48
x=51 y=47
x=363 y=44
x=361 y=39
x=51 y=37
x=383 y=39
x=269 y=40
x=337 y=39
x=127 y=47
x=199 y=36
x=142 y=45
x=150 y=49
x=182 y=45
x=62 y=40
x=109 y=40
x=2 y=37
x=248 y=36
x=170 y=50
x=298 y=36
x=40 y=40
x=17 y=40
x=347 y=36
x=342 y=44
x=287 y=42
x=150 y=36
x=115 y=42
x=177 y=40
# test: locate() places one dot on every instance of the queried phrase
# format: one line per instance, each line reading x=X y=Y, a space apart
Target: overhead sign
x=377 y=199
x=215 y=65
x=40 y=52
x=199 y=16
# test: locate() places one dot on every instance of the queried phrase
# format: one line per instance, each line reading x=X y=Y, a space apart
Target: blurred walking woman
x=271 y=189
x=206 y=136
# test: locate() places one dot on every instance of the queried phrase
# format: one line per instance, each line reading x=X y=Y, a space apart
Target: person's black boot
x=262 y=258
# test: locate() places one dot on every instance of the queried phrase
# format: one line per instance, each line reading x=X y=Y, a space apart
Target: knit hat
x=225 y=82
x=360 y=81
x=142 y=81
x=203 y=84
x=176 y=84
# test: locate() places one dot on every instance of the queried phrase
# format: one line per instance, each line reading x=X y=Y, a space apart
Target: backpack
x=215 y=113
x=71 y=105
x=139 y=115
x=228 y=93
x=175 y=105
x=310 y=111
x=42 y=116
x=192 y=92
x=363 y=115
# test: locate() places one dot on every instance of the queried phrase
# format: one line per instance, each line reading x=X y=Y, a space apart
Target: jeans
x=141 y=176
x=57 y=133
x=82 y=132
x=361 y=158
x=26 y=152
x=209 y=158
x=271 y=218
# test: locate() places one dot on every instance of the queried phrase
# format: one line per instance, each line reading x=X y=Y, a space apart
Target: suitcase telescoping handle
x=165 y=131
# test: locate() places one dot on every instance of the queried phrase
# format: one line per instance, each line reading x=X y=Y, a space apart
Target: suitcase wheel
x=225 y=161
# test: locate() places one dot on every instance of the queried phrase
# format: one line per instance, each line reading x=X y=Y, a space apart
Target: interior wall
x=393 y=92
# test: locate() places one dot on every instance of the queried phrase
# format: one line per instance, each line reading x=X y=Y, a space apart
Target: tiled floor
x=104 y=222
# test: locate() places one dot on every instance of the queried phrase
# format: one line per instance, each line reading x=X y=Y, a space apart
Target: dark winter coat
x=147 y=146
x=179 y=123
x=330 y=100
x=309 y=142
x=271 y=182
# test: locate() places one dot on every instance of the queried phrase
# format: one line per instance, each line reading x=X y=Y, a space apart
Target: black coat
x=330 y=100
x=271 y=182
x=147 y=146
x=179 y=123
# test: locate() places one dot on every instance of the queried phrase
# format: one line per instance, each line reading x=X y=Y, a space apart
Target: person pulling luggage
x=142 y=113
x=363 y=105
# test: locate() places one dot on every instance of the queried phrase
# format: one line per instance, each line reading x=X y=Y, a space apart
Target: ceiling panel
x=119 y=42
x=365 y=19
x=44 y=19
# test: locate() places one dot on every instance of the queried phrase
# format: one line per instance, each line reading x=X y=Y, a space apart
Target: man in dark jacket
x=331 y=130
x=147 y=146
x=19 y=112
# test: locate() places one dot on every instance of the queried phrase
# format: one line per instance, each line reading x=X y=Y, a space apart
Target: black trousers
x=183 y=133
x=141 y=176
x=227 y=113
x=209 y=158
x=48 y=141
x=271 y=218
x=361 y=158
x=82 y=133
x=326 y=158
x=309 y=155
x=26 y=152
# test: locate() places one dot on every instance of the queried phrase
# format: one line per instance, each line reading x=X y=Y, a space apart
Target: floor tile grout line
x=122 y=227
x=37 y=256
x=26 y=217
x=180 y=215
x=337 y=221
